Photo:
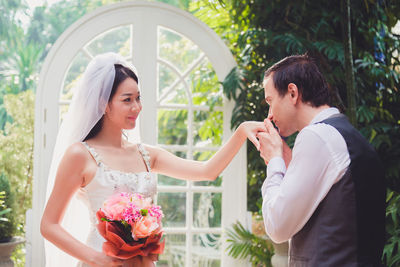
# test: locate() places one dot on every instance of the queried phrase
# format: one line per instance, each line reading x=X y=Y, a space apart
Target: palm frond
x=245 y=245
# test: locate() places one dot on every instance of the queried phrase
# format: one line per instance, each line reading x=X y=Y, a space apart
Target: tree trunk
x=349 y=67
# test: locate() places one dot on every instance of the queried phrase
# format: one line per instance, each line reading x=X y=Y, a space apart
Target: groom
x=327 y=196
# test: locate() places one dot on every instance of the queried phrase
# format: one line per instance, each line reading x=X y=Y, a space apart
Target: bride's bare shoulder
x=155 y=152
x=78 y=152
x=150 y=148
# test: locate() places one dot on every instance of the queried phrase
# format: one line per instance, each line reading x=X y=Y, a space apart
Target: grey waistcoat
x=348 y=226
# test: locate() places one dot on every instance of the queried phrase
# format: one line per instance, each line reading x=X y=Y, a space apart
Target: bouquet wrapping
x=131 y=226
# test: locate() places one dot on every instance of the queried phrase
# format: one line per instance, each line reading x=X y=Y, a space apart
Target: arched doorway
x=180 y=62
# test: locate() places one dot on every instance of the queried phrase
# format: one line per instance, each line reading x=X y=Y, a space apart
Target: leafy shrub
x=245 y=245
x=7 y=218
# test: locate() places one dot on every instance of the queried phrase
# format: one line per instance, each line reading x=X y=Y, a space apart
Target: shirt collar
x=324 y=114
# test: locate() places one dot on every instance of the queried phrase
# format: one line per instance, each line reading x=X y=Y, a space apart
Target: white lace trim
x=143 y=152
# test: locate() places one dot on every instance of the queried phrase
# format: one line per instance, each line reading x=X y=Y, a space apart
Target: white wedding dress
x=107 y=182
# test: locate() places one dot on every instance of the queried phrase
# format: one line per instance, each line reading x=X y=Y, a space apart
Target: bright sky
x=396 y=28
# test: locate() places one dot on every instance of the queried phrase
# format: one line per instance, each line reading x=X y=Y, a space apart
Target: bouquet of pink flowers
x=131 y=225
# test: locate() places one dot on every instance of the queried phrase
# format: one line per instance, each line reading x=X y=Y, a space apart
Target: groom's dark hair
x=304 y=73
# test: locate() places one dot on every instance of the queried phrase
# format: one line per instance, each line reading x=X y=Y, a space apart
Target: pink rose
x=145 y=227
x=114 y=207
x=141 y=202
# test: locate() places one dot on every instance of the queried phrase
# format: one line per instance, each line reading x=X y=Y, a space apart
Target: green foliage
x=245 y=245
x=8 y=11
x=182 y=4
x=20 y=58
x=3 y=207
x=391 y=252
x=23 y=49
x=16 y=156
x=49 y=22
x=8 y=218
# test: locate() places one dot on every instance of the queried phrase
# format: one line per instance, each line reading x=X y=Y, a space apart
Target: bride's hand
x=250 y=129
x=103 y=260
x=149 y=260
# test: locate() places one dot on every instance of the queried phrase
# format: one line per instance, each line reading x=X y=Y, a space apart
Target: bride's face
x=125 y=105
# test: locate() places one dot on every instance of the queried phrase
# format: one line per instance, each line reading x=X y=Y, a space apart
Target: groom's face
x=281 y=109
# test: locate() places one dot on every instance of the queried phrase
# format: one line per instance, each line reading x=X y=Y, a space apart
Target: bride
x=92 y=160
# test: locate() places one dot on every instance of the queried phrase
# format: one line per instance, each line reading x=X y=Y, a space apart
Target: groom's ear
x=293 y=92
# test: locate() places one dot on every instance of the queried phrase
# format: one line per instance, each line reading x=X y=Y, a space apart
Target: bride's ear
x=107 y=108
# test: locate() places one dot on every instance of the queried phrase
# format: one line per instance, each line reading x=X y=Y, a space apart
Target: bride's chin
x=130 y=127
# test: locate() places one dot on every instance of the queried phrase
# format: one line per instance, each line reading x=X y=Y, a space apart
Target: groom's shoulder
x=323 y=131
x=326 y=136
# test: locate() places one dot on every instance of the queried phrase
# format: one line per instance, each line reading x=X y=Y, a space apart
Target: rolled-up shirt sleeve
x=291 y=196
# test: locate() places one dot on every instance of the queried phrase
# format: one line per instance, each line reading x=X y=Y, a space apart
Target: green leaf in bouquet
x=144 y=212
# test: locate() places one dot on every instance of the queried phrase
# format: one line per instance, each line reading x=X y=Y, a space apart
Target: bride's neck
x=110 y=135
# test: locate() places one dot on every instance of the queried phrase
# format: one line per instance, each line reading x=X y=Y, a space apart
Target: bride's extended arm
x=70 y=176
x=168 y=164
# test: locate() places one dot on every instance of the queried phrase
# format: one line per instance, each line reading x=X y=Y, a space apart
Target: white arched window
x=180 y=62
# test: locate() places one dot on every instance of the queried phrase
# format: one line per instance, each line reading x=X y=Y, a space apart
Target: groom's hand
x=271 y=144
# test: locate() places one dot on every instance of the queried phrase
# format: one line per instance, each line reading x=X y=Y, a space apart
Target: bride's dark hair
x=121 y=74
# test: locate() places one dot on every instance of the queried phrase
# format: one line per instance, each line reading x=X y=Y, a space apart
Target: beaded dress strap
x=93 y=153
x=146 y=156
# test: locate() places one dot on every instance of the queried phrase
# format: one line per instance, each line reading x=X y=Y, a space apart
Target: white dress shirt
x=319 y=159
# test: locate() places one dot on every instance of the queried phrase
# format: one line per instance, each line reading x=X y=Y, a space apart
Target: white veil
x=86 y=109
